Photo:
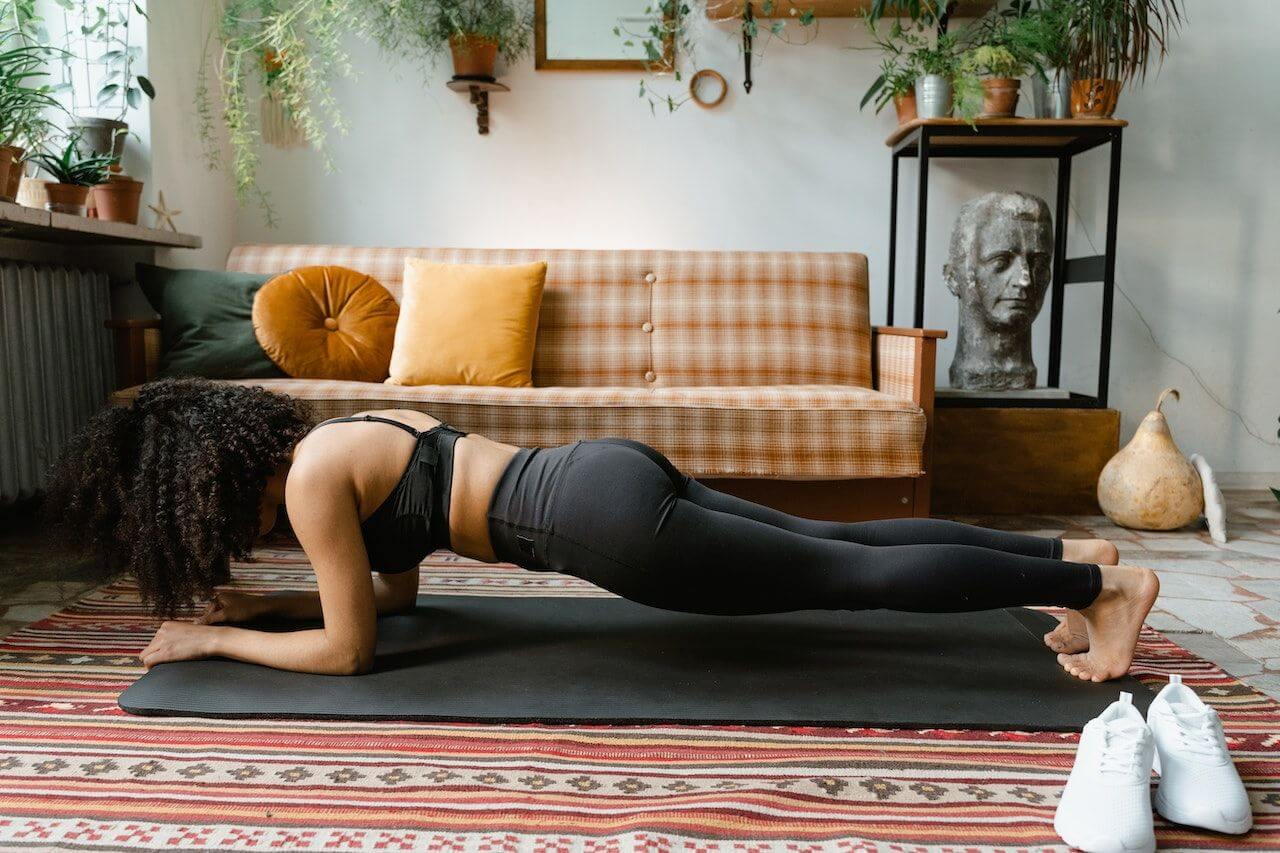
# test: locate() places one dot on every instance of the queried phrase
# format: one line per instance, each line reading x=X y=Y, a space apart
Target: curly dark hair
x=168 y=488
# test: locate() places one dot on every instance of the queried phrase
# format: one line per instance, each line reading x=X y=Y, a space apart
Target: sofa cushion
x=467 y=324
x=206 y=324
x=654 y=319
x=326 y=323
x=799 y=432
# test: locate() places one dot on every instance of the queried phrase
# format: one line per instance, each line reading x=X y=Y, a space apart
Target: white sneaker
x=1199 y=785
x=1106 y=807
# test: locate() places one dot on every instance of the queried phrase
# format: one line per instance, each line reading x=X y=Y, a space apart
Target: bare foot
x=1113 y=622
x=1071 y=635
x=1097 y=551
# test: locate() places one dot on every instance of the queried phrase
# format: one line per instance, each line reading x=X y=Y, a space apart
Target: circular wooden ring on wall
x=708 y=74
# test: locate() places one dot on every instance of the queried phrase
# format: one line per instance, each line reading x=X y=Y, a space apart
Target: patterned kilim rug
x=76 y=772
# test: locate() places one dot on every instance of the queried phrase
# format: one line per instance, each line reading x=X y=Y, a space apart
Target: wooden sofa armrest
x=137 y=349
x=903 y=362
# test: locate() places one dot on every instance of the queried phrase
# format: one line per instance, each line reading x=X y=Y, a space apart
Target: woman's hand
x=179 y=641
x=232 y=606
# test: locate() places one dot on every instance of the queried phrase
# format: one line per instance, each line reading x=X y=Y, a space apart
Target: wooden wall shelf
x=30 y=223
x=723 y=10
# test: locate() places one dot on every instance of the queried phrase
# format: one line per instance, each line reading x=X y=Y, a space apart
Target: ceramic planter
x=1000 y=97
x=67 y=198
x=118 y=199
x=102 y=136
x=1052 y=97
x=33 y=192
x=1093 y=97
x=905 y=104
x=933 y=96
x=473 y=56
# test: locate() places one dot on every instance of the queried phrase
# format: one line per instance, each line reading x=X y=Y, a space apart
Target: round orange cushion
x=326 y=323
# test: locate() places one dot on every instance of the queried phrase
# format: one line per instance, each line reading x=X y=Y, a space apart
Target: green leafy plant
x=22 y=105
x=993 y=60
x=672 y=25
x=424 y=27
x=293 y=51
x=1118 y=39
x=72 y=167
x=291 y=48
x=1040 y=33
x=100 y=29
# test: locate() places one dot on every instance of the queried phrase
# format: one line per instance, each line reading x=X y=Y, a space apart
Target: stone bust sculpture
x=999 y=269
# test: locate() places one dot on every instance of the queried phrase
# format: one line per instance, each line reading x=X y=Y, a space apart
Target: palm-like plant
x=72 y=167
x=1118 y=39
x=22 y=105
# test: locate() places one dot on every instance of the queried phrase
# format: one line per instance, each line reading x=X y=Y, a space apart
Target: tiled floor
x=1221 y=602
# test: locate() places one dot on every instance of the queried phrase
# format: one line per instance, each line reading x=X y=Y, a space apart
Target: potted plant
x=101 y=28
x=21 y=108
x=75 y=174
x=898 y=73
x=1112 y=43
x=475 y=31
x=118 y=198
x=1000 y=69
x=1043 y=35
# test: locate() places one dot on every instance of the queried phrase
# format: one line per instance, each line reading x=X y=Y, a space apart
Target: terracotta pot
x=905 y=104
x=1094 y=98
x=6 y=165
x=13 y=154
x=1000 y=97
x=67 y=198
x=118 y=199
x=473 y=56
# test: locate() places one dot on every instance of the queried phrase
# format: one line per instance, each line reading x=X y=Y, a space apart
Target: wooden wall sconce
x=479 y=89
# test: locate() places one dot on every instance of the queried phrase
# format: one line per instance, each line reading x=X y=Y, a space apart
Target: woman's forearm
x=298 y=651
x=305 y=604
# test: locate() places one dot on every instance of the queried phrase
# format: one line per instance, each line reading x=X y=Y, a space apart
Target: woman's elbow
x=353 y=661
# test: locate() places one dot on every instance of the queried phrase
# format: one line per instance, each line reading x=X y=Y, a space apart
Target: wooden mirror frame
x=541 y=62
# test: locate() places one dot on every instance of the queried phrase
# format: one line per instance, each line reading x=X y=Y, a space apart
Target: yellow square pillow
x=467 y=324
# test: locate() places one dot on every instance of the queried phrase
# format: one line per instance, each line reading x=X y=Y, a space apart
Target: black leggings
x=617 y=513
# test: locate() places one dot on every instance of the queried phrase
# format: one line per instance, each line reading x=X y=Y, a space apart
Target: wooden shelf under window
x=31 y=223
x=723 y=10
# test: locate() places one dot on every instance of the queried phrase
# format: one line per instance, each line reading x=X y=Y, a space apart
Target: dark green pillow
x=206 y=322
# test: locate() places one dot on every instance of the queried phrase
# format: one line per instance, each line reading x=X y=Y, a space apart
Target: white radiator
x=55 y=366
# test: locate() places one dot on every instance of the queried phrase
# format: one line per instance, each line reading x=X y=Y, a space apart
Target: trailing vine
x=675 y=23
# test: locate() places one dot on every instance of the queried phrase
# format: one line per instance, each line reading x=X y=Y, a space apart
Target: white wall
x=575 y=159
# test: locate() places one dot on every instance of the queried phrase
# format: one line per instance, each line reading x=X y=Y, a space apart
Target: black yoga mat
x=603 y=660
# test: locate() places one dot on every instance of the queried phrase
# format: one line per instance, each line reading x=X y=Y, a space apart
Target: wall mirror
x=580 y=35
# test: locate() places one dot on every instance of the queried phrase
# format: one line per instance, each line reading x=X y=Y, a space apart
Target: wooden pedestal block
x=1012 y=461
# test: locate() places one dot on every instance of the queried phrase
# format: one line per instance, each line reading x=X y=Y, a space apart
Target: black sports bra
x=414 y=519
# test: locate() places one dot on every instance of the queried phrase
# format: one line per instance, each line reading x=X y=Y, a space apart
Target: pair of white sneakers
x=1106 y=807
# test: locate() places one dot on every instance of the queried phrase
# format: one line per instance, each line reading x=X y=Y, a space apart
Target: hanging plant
x=291 y=51
x=675 y=24
x=304 y=39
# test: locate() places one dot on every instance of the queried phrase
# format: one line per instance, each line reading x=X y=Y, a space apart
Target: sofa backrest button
x=649 y=376
x=647 y=327
x=651 y=278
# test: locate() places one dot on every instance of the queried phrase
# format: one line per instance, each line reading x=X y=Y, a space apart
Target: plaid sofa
x=734 y=364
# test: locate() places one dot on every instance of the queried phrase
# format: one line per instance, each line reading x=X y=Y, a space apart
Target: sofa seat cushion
x=801 y=432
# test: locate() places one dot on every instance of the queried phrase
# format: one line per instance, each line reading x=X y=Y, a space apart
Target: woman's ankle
x=1097 y=551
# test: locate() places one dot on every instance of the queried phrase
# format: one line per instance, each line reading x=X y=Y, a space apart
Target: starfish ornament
x=164 y=216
